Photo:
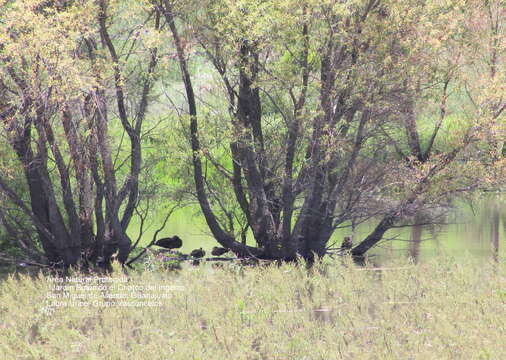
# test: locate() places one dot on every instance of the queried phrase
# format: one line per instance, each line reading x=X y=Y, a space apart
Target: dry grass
x=439 y=310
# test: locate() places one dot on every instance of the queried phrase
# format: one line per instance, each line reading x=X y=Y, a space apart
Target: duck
x=218 y=251
x=198 y=253
x=174 y=242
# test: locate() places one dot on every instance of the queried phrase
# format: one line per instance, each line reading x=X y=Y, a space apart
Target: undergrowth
x=442 y=309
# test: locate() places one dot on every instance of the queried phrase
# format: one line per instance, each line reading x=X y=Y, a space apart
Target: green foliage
x=399 y=54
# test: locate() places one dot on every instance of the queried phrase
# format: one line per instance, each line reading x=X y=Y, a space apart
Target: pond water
x=477 y=229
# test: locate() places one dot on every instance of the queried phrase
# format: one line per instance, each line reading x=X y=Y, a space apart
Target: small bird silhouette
x=218 y=251
x=347 y=243
x=198 y=253
x=174 y=242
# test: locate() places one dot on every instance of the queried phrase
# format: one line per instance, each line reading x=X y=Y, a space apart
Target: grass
x=442 y=309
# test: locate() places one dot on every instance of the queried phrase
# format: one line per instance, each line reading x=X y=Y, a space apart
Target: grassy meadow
x=441 y=309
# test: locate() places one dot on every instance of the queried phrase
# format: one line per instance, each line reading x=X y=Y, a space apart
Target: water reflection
x=477 y=229
x=416 y=239
x=494 y=233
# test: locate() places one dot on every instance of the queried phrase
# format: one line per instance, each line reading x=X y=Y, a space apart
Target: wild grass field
x=442 y=309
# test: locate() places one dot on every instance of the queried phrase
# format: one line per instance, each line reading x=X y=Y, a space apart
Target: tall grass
x=438 y=310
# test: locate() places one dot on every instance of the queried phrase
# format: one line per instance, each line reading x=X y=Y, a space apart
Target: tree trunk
x=384 y=225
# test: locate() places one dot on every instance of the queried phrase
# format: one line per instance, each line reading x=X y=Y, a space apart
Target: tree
x=334 y=78
x=306 y=116
x=64 y=84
